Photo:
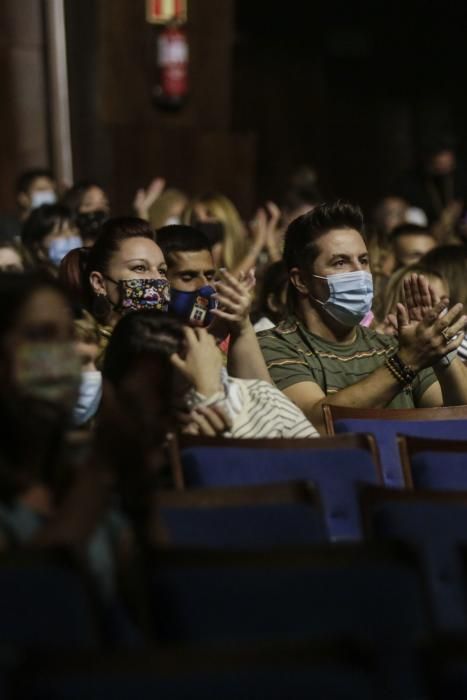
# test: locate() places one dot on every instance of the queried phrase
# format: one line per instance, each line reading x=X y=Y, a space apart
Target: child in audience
x=394 y=294
x=450 y=261
x=87 y=346
x=48 y=234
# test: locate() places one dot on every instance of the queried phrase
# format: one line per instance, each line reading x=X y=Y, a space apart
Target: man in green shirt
x=320 y=353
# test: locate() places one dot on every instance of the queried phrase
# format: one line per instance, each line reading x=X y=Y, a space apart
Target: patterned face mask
x=143 y=294
x=48 y=371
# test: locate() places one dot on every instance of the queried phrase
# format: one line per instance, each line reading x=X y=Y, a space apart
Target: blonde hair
x=163 y=207
x=23 y=253
x=394 y=292
x=86 y=329
x=218 y=206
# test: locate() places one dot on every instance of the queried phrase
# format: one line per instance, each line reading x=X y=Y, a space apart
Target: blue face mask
x=61 y=246
x=90 y=394
x=350 y=296
x=193 y=307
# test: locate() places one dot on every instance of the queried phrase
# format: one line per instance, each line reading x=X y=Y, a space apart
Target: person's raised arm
x=245 y=359
x=201 y=368
x=265 y=235
x=145 y=198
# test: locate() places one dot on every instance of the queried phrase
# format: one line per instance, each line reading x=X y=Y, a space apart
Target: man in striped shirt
x=320 y=354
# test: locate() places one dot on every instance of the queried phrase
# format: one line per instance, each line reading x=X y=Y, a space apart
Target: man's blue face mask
x=193 y=307
x=350 y=296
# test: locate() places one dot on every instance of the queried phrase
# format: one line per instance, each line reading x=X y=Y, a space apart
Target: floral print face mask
x=143 y=294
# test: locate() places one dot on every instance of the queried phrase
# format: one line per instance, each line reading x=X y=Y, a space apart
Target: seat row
x=334 y=464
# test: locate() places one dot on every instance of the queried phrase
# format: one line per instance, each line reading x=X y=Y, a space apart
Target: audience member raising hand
x=145 y=198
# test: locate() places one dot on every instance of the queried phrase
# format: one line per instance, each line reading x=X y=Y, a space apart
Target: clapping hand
x=265 y=230
x=234 y=297
x=422 y=343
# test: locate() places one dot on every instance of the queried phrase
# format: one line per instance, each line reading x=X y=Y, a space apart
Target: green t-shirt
x=294 y=355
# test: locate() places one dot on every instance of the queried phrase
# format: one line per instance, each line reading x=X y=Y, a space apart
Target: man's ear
x=96 y=280
x=271 y=303
x=296 y=279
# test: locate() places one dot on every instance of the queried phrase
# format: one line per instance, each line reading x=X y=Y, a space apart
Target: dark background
x=351 y=88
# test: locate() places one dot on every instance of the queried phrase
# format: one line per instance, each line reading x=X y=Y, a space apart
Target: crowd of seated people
x=123 y=338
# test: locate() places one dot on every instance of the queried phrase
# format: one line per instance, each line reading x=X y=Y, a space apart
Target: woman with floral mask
x=124 y=271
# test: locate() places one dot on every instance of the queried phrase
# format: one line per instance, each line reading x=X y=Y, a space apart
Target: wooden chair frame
x=409 y=446
x=370 y=495
x=333 y=413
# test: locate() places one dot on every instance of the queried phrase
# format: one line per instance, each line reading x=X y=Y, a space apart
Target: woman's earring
x=101 y=307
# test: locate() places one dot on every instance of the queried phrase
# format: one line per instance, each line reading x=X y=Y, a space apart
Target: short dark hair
x=435 y=143
x=274 y=281
x=409 y=230
x=303 y=189
x=300 y=239
x=141 y=333
x=181 y=239
x=27 y=177
x=41 y=222
x=300 y=249
x=74 y=196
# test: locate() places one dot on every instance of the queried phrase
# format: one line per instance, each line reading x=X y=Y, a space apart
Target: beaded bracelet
x=402 y=372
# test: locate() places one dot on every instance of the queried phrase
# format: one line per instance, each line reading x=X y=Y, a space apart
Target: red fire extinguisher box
x=171 y=84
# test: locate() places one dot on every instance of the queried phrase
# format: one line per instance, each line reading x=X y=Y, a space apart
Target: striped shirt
x=462 y=350
x=259 y=410
x=294 y=355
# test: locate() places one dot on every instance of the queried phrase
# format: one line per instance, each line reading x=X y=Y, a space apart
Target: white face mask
x=90 y=394
x=61 y=246
x=173 y=221
x=350 y=296
x=41 y=197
